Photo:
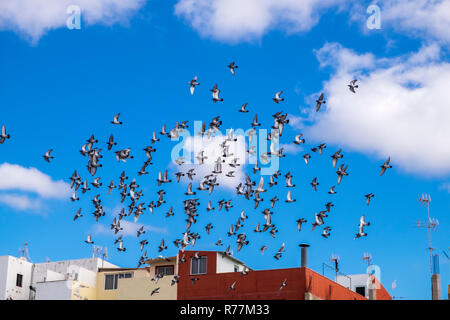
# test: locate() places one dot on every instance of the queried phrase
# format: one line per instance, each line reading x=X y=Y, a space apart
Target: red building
x=211 y=277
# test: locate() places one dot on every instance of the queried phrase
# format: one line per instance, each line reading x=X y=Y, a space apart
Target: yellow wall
x=83 y=292
x=139 y=287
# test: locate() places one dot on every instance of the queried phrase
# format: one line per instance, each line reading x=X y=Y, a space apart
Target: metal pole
x=429 y=239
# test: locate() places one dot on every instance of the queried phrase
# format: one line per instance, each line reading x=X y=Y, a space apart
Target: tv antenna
x=368 y=258
x=104 y=255
x=23 y=252
x=446 y=255
x=431 y=225
x=335 y=259
x=96 y=251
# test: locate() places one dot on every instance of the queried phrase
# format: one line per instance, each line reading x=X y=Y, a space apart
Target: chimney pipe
x=304 y=255
x=435 y=279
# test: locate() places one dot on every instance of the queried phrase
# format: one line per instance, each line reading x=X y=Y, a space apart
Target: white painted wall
x=9 y=268
x=50 y=277
x=86 y=277
x=357 y=280
x=226 y=264
x=54 y=290
x=62 y=266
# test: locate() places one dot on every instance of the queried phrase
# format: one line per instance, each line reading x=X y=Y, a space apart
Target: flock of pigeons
x=249 y=189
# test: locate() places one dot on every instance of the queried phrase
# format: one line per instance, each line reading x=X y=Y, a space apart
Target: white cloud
x=34 y=18
x=16 y=177
x=291 y=148
x=238 y=20
x=20 y=202
x=399 y=110
x=423 y=18
x=445 y=187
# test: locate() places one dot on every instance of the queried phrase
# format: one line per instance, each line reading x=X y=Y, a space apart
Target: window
x=125 y=275
x=198 y=266
x=165 y=270
x=361 y=290
x=19 y=280
x=236 y=268
x=111 y=281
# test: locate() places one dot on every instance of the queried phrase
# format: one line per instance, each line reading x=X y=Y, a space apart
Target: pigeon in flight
x=385 y=166
x=337 y=155
x=319 y=102
x=155 y=291
x=192 y=84
x=232 y=286
x=232 y=66
x=74 y=197
x=300 y=222
x=116 y=119
x=306 y=157
x=143 y=243
x=78 y=215
x=329 y=205
x=368 y=197
x=326 y=232
x=89 y=239
x=262 y=249
x=289 y=197
x=342 y=171
x=284 y=284
x=242 y=109
x=352 y=86
x=298 y=139
x=121 y=248
x=4 y=135
x=314 y=184
x=175 y=279
x=111 y=142
x=277 y=98
x=162 y=246
x=215 y=95
x=47 y=156
x=255 y=121
x=362 y=224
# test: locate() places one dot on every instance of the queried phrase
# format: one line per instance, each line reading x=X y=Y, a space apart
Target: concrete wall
x=9 y=268
x=374 y=290
x=54 y=290
x=62 y=266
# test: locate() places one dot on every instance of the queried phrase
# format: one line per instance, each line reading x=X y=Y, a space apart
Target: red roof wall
x=327 y=289
x=256 y=285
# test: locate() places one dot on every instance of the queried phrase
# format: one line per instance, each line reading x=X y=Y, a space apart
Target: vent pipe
x=435 y=279
x=304 y=255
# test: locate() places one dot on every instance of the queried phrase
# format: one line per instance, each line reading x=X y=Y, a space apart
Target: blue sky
x=59 y=86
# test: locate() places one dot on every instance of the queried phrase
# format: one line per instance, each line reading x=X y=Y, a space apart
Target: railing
x=336 y=274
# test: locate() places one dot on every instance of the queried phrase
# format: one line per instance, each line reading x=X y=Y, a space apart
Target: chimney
x=436 y=279
x=304 y=255
x=436 y=286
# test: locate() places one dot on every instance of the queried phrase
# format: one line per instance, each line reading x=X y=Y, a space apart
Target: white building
x=15 y=278
x=359 y=283
x=60 y=280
